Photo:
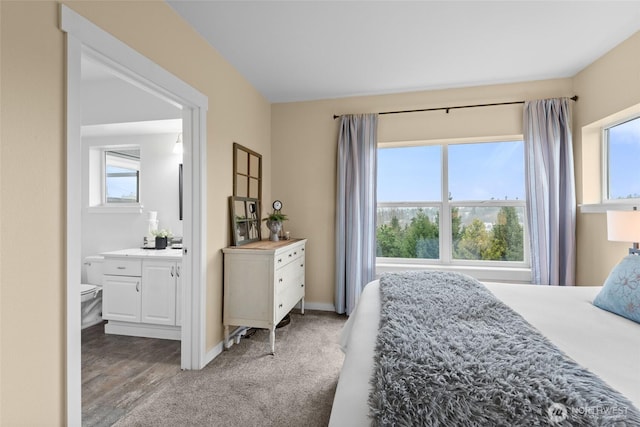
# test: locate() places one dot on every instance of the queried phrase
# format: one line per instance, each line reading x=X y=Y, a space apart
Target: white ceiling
x=307 y=50
x=112 y=106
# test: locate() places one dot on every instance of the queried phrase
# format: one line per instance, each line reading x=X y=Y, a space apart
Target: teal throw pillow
x=621 y=291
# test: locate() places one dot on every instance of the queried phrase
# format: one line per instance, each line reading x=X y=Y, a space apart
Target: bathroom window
x=121 y=176
x=621 y=151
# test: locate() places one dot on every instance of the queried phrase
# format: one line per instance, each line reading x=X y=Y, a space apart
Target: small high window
x=621 y=152
x=122 y=176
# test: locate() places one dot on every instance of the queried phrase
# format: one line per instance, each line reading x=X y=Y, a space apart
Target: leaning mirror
x=245 y=220
x=247 y=193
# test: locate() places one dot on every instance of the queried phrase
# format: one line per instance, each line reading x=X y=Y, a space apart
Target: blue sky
x=624 y=153
x=476 y=172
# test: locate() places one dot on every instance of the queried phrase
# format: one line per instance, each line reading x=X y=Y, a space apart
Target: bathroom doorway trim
x=83 y=37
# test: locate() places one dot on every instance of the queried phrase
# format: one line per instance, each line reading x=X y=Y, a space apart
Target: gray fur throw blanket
x=449 y=353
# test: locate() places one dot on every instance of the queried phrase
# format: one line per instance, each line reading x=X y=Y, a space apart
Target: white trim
x=114 y=209
x=604 y=156
x=138 y=67
x=320 y=306
x=609 y=206
x=142 y=330
x=213 y=353
x=482 y=273
x=74 y=241
x=84 y=37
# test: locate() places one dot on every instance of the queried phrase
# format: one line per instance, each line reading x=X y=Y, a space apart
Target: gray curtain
x=355 y=208
x=551 y=200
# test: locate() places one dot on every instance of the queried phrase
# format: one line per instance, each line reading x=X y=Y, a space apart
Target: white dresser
x=263 y=281
x=141 y=293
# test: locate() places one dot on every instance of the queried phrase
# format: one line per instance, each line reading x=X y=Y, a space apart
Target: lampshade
x=623 y=226
x=177 y=148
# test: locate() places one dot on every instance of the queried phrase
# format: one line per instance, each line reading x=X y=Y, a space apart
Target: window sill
x=110 y=209
x=604 y=207
x=481 y=273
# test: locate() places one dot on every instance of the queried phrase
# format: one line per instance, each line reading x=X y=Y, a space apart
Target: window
x=453 y=203
x=621 y=152
x=121 y=176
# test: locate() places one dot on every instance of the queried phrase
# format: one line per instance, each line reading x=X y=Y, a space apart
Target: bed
x=604 y=343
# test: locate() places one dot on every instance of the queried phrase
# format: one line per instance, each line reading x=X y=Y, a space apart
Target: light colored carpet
x=246 y=386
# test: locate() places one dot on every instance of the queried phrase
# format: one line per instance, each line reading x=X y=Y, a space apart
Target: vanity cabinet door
x=159 y=292
x=178 y=294
x=121 y=298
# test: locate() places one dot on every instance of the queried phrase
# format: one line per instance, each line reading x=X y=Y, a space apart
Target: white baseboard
x=220 y=347
x=142 y=330
x=213 y=353
x=321 y=306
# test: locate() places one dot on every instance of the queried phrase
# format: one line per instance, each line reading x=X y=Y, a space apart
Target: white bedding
x=606 y=344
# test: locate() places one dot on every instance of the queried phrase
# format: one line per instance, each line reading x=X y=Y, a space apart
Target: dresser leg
x=272 y=340
x=302 y=305
x=226 y=337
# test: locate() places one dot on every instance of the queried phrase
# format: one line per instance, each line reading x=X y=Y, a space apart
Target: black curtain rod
x=573 y=98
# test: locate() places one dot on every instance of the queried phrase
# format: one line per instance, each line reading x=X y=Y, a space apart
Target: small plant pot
x=161 y=242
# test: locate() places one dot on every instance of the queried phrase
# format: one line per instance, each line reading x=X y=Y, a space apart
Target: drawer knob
x=302 y=285
x=280 y=280
x=279 y=259
x=121 y=267
x=280 y=306
x=301 y=265
x=295 y=253
x=290 y=255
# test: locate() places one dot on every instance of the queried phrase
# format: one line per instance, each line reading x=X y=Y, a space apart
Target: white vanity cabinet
x=263 y=281
x=141 y=293
x=121 y=283
x=158 y=304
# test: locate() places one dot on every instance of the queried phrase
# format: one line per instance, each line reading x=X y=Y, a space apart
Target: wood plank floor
x=118 y=372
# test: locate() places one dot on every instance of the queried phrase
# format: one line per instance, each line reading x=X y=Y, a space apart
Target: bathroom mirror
x=245 y=220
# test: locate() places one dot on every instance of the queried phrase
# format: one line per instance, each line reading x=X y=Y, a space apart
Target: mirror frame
x=247 y=220
x=249 y=175
x=245 y=223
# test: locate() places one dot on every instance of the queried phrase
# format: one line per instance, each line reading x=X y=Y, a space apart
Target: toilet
x=91 y=291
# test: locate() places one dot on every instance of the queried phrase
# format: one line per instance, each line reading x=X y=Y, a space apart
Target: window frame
x=97 y=194
x=604 y=197
x=126 y=162
x=445 y=205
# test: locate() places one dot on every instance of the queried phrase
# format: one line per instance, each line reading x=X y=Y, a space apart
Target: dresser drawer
x=122 y=267
x=288 y=275
x=286 y=300
x=288 y=256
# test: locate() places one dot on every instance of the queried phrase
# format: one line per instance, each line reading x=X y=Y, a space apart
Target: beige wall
x=32 y=178
x=297 y=140
x=609 y=89
x=304 y=145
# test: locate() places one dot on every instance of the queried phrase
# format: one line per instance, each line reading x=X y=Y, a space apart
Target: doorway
x=85 y=38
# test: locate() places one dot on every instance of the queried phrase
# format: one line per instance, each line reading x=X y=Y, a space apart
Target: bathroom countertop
x=146 y=253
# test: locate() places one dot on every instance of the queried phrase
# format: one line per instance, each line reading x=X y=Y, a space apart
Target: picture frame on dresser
x=245 y=220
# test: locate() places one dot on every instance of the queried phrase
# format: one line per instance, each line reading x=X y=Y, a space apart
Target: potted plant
x=274 y=223
x=161 y=238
